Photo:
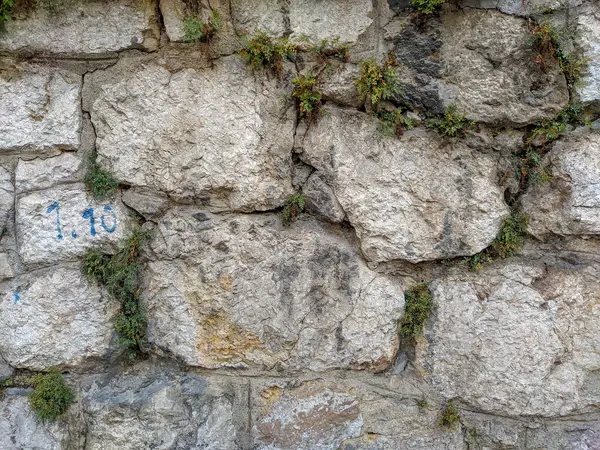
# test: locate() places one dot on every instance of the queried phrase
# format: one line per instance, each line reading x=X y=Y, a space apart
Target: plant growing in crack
x=6 y=9
x=449 y=417
x=417 y=309
x=377 y=82
x=195 y=29
x=51 y=396
x=99 y=182
x=451 y=123
x=294 y=206
x=120 y=275
x=308 y=97
x=265 y=52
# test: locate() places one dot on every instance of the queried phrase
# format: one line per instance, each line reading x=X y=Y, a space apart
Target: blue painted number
x=89 y=214
x=114 y=225
x=52 y=207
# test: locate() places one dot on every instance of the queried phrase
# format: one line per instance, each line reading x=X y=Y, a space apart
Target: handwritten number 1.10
x=88 y=214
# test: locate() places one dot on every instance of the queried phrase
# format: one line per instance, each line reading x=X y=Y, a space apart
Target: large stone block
x=84 y=27
x=570 y=204
x=346 y=19
x=19 y=428
x=39 y=109
x=62 y=223
x=157 y=407
x=217 y=136
x=588 y=40
x=241 y=291
x=54 y=317
x=517 y=340
x=7 y=198
x=44 y=173
x=411 y=198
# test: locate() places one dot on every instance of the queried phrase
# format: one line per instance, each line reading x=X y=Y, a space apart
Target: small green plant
x=427 y=6
x=449 y=418
x=549 y=130
x=572 y=67
x=422 y=403
x=477 y=261
x=263 y=51
x=6 y=9
x=196 y=30
x=51 y=396
x=451 y=123
x=377 y=82
x=510 y=239
x=332 y=50
x=100 y=183
x=9 y=382
x=394 y=122
x=417 y=309
x=293 y=208
x=308 y=97
x=545 y=43
x=530 y=169
x=119 y=273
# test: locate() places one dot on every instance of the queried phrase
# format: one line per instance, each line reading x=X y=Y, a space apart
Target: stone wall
x=262 y=336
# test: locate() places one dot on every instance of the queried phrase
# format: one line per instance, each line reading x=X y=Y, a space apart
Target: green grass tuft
x=449 y=418
x=417 y=309
x=196 y=30
x=119 y=273
x=427 y=6
x=6 y=9
x=293 y=208
x=100 y=183
x=451 y=123
x=51 y=396
x=308 y=97
x=394 y=123
x=264 y=52
x=510 y=239
x=377 y=82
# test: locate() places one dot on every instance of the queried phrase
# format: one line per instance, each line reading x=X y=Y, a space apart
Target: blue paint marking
x=114 y=226
x=89 y=214
x=52 y=207
x=16 y=296
x=74 y=234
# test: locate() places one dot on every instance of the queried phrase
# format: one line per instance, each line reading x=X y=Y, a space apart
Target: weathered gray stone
x=346 y=19
x=490 y=73
x=410 y=198
x=57 y=224
x=40 y=109
x=7 y=198
x=346 y=414
x=148 y=203
x=54 y=318
x=242 y=291
x=6 y=371
x=156 y=407
x=187 y=135
x=321 y=200
x=588 y=39
x=339 y=85
x=88 y=27
x=44 y=173
x=520 y=7
x=517 y=340
x=6 y=266
x=20 y=430
x=570 y=204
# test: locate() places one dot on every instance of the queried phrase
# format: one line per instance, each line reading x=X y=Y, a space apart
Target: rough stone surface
x=19 y=429
x=484 y=345
x=588 y=39
x=44 y=173
x=411 y=198
x=52 y=227
x=243 y=291
x=491 y=74
x=152 y=407
x=6 y=197
x=41 y=108
x=54 y=318
x=195 y=141
x=148 y=203
x=88 y=28
x=6 y=371
x=519 y=7
x=321 y=199
x=570 y=204
x=346 y=19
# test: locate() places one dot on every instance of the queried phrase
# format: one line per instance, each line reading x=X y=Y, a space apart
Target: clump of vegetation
x=531 y=169
x=417 y=309
x=427 y=7
x=449 y=418
x=100 y=183
x=394 y=122
x=197 y=30
x=549 y=130
x=422 y=403
x=332 y=50
x=51 y=396
x=308 y=97
x=377 y=82
x=119 y=273
x=265 y=52
x=510 y=239
x=6 y=9
x=293 y=208
x=476 y=261
x=451 y=123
